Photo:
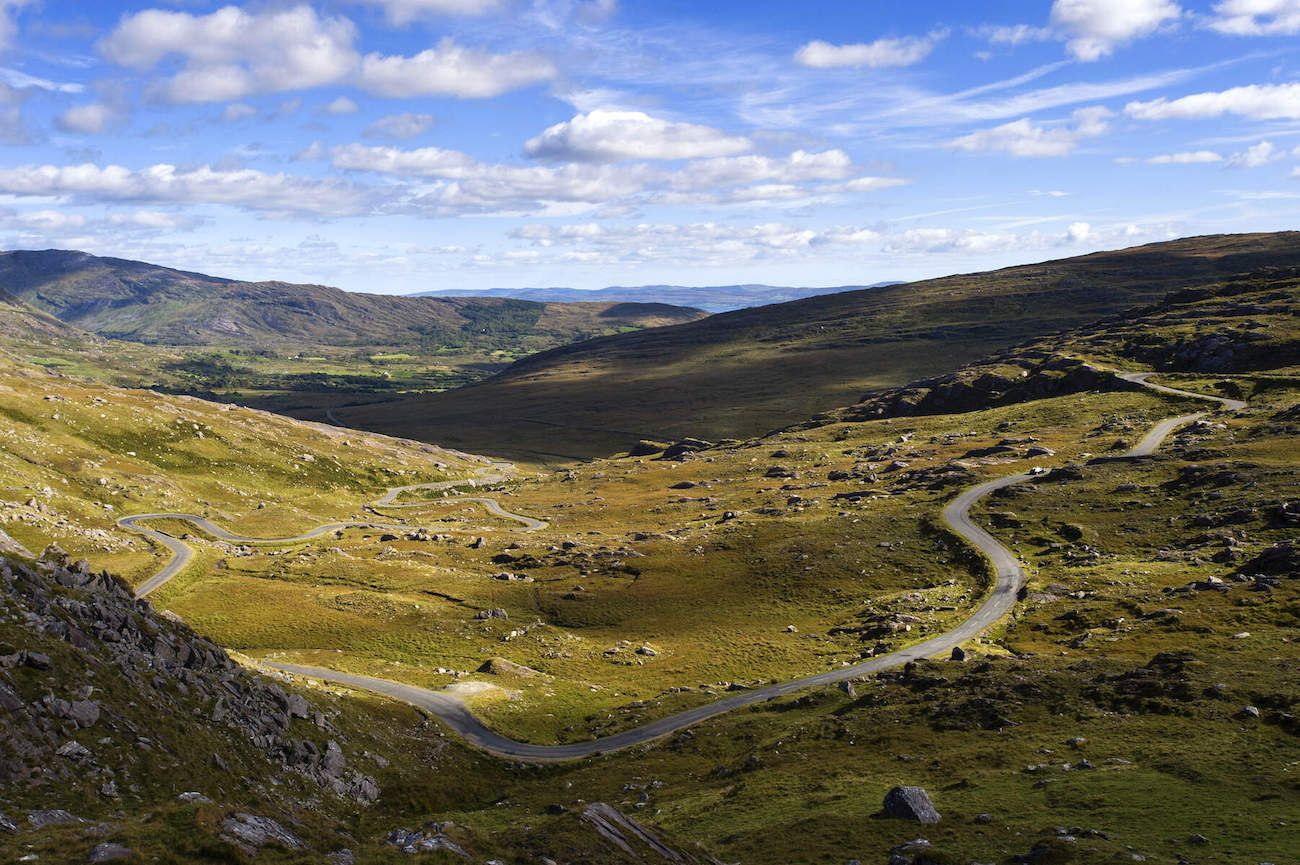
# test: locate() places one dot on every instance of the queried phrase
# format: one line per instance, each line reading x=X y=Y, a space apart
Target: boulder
x=250 y=832
x=502 y=667
x=84 y=712
x=910 y=803
x=645 y=448
x=109 y=853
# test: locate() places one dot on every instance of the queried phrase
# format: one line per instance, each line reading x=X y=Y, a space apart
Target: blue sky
x=405 y=145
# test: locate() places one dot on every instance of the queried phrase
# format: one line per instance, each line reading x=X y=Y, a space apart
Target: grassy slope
x=745 y=372
x=146 y=303
x=75 y=455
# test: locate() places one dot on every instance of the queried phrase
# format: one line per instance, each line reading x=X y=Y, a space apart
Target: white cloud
x=1255 y=156
x=1014 y=34
x=903 y=51
x=1096 y=27
x=609 y=136
x=424 y=162
x=232 y=53
x=8 y=27
x=452 y=70
x=799 y=167
x=401 y=12
x=1257 y=17
x=1186 y=157
x=1256 y=101
x=1078 y=232
x=152 y=220
x=89 y=119
x=342 y=105
x=243 y=188
x=237 y=111
x=1025 y=138
x=406 y=125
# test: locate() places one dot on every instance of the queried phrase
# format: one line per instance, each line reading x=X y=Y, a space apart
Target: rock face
x=82 y=631
x=910 y=803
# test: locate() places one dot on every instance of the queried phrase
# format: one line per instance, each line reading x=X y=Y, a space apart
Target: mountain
x=132 y=300
x=714 y=298
x=740 y=373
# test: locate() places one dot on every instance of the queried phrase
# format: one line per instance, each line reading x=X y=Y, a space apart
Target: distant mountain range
x=714 y=298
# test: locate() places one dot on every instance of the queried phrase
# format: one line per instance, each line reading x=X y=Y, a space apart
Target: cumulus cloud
x=1186 y=157
x=609 y=136
x=406 y=125
x=1255 y=156
x=1257 y=17
x=1095 y=28
x=231 y=53
x=1025 y=138
x=462 y=183
x=89 y=119
x=401 y=12
x=244 y=188
x=342 y=105
x=902 y=51
x=449 y=69
x=1256 y=101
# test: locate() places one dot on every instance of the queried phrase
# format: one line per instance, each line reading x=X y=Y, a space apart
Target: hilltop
x=133 y=300
x=742 y=373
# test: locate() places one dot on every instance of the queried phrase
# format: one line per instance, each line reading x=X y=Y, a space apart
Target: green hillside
x=741 y=373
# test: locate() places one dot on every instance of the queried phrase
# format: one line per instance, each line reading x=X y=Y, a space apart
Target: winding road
x=182 y=553
x=1009 y=575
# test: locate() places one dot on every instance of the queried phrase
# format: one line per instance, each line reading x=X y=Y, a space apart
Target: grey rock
x=424 y=841
x=52 y=817
x=250 y=831
x=910 y=803
x=7 y=825
x=84 y=712
x=298 y=706
x=73 y=750
x=110 y=853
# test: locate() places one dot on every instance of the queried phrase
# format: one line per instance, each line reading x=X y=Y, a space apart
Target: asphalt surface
x=1008 y=577
x=182 y=553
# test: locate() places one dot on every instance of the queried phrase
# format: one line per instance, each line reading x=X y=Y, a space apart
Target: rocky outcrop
x=63 y=713
x=1007 y=378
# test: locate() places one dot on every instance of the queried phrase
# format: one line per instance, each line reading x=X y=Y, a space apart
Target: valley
x=1048 y=585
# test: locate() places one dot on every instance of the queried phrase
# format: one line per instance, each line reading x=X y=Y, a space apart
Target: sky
x=395 y=146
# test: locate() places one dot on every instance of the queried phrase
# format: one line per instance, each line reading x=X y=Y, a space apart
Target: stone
x=1197 y=838
x=1249 y=712
x=37 y=660
x=958 y=653
x=424 y=841
x=7 y=825
x=647 y=651
x=341 y=857
x=250 y=832
x=192 y=796
x=495 y=613
x=84 y=712
x=910 y=803
x=52 y=817
x=110 y=853
x=73 y=750
x=502 y=667
x=298 y=706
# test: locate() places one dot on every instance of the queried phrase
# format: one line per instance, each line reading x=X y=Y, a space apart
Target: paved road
x=182 y=553
x=1008 y=578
